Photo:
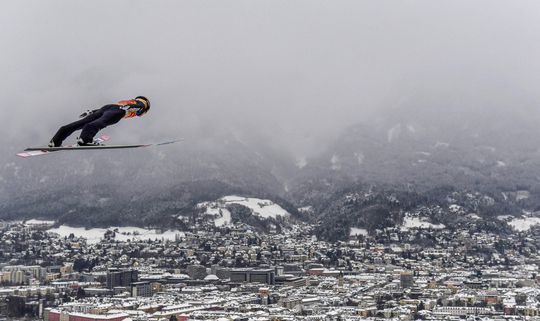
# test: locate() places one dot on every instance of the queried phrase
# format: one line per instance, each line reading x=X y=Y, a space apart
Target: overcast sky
x=301 y=70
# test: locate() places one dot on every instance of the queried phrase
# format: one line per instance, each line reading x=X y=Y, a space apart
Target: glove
x=86 y=113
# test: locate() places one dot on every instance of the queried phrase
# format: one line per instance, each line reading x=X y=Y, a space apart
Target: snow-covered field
x=264 y=208
x=419 y=222
x=259 y=207
x=454 y=208
x=524 y=223
x=94 y=235
x=473 y=216
x=358 y=231
x=305 y=209
x=39 y=222
x=221 y=214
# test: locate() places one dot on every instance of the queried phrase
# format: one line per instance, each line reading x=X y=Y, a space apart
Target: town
x=235 y=273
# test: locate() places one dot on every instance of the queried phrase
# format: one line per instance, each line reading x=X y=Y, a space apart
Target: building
x=462 y=311
x=406 y=280
x=141 y=289
x=121 y=278
x=293 y=269
x=266 y=276
x=222 y=273
x=289 y=280
x=20 y=274
x=58 y=315
x=196 y=272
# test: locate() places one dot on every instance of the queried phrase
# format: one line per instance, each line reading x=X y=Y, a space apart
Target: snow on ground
x=94 y=235
x=259 y=207
x=522 y=195
x=524 y=223
x=473 y=216
x=264 y=208
x=224 y=219
x=221 y=214
x=305 y=209
x=358 y=231
x=38 y=222
x=419 y=222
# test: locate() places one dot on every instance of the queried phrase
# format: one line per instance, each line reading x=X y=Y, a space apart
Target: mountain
x=378 y=207
x=135 y=186
x=376 y=172
x=492 y=157
x=373 y=174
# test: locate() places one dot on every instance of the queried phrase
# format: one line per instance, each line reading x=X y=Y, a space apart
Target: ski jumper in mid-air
x=92 y=122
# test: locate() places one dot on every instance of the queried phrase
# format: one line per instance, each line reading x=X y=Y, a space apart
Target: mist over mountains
x=420 y=161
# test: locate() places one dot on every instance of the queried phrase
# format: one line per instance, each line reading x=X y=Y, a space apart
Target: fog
x=296 y=71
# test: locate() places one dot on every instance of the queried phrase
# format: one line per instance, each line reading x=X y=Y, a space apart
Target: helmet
x=146 y=100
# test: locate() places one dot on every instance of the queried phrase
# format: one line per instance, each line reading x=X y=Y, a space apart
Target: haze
x=296 y=71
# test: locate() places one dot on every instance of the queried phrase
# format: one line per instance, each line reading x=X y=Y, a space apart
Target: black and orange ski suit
x=98 y=119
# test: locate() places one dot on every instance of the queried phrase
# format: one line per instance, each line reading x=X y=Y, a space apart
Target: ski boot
x=52 y=144
x=95 y=142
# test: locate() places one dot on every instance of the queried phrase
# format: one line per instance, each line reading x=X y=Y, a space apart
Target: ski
x=54 y=149
x=36 y=151
x=42 y=151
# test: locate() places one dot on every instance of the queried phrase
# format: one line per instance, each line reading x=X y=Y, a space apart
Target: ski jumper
x=100 y=118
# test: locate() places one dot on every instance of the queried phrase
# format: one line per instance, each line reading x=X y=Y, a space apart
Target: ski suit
x=98 y=119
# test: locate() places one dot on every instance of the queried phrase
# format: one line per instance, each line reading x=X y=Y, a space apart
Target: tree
x=80 y=293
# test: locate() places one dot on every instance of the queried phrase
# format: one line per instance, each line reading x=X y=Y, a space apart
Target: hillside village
x=232 y=272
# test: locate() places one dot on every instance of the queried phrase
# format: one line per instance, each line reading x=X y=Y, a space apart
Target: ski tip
x=31 y=153
x=170 y=142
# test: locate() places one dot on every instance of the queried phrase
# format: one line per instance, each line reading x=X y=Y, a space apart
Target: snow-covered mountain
x=413 y=157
